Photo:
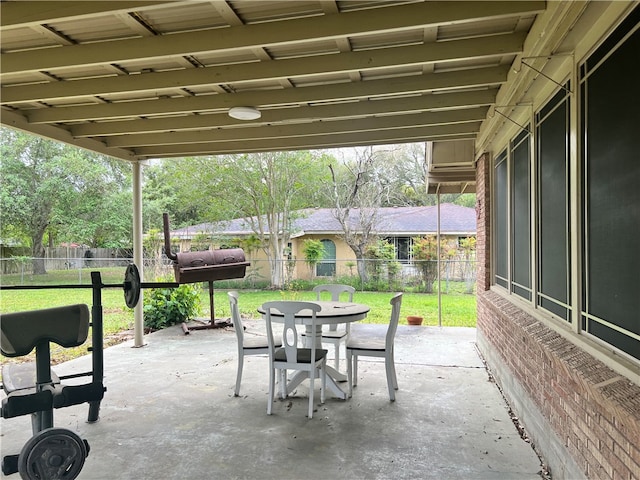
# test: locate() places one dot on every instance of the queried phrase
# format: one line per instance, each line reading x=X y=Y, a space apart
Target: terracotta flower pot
x=414 y=320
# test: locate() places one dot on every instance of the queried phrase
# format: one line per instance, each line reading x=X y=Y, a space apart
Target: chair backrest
x=67 y=326
x=395 y=302
x=335 y=289
x=235 y=317
x=288 y=311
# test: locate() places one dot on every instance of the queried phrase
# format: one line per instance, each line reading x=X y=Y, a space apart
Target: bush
x=164 y=307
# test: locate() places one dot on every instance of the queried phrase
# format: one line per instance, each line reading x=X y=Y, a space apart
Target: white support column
x=439 y=260
x=138 y=323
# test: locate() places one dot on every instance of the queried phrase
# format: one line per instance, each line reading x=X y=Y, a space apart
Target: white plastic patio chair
x=289 y=356
x=376 y=347
x=333 y=335
x=246 y=346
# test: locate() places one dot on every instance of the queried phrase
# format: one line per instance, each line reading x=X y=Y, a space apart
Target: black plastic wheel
x=52 y=454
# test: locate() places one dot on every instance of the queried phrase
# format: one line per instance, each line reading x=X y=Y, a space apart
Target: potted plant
x=414 y=320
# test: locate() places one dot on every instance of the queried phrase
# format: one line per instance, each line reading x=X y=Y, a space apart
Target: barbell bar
x=131 y=286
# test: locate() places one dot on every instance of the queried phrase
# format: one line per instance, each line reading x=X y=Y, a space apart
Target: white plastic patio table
x=331 y=313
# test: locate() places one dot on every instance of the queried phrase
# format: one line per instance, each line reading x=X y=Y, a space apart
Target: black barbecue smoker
x=204 y=266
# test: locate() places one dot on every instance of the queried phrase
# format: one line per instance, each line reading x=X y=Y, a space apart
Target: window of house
x=520 y=224
x=512 y=216
x=607 y=201
x=402 y=246
x=501 y=270
x=610 y=180
x=552 y=220
x=327 y=266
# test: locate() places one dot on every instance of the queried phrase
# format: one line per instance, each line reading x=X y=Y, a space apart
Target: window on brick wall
x=552 y=220
x=610 y=181
x=512 y=179
x=501 y=234
x=608 y=200
x=520 y=158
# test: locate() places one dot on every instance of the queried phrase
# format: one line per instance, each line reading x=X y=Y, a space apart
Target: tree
x=425 y=256
x=29 y=179
x=381 y=259
x=50 y=190
x=357 y=193
x=169 y=187
x=313 y=251
x=264 y=189
x=404 y=168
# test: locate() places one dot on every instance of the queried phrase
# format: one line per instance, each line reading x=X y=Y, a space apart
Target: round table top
x=332 y=312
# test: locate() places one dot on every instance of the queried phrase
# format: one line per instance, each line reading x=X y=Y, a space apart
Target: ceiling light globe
x=244 y=113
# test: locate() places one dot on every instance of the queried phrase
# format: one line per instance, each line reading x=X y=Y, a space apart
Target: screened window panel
x=501 y=221
x=553 y=227
x=611 y=214
x=520 y=219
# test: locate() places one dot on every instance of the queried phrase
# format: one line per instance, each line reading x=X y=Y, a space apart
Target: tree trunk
x=275 y=255
x=38 y=252
x=362 y=269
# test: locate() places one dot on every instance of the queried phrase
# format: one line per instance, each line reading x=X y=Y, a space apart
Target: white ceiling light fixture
x=244 y=113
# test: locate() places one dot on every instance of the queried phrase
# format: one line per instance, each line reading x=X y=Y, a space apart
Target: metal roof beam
x=362 y=22
x=293 y=131
x=270 y=98
x=334 y=111
x=491 y=46
x=333 y=140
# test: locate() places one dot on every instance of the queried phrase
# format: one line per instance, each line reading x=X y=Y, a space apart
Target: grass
x=457 y=309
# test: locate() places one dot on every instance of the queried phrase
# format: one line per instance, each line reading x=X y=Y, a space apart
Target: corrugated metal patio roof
x=155 y=79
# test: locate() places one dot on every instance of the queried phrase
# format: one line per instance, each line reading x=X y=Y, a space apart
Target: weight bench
x=33 y=388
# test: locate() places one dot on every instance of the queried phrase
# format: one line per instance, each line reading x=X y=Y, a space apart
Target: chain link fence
x=456 y=276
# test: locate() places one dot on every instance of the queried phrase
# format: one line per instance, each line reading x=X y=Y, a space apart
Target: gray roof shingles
x=392 y=221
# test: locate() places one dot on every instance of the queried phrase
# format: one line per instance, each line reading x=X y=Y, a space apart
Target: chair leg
x=350 y=372
x=323 y=382
x=312 y=377
x=239 y=375
x=355 y=370
x=393 y=370
x=272 y=381
x=283 y=383
x=391 y=382
x=337 y=356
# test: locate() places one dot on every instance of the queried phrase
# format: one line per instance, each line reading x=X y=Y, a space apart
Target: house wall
x=344 y=254
x=578 y=402
x=344 y=264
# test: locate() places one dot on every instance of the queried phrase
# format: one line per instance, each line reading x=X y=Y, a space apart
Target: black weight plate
x=52 y=454
x=131 y=285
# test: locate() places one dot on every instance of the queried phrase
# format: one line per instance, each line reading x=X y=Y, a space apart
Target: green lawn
x=457 y=309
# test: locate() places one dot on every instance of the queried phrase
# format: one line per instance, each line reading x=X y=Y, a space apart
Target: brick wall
x=582 y=416
x=592 y=410
x=483 y=223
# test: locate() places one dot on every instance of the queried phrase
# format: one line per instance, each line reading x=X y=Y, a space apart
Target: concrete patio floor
x=169 y=413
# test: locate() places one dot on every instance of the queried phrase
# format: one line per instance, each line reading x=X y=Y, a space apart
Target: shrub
x=164 y=307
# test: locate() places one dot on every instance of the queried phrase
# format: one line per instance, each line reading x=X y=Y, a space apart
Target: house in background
x=397 y=225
